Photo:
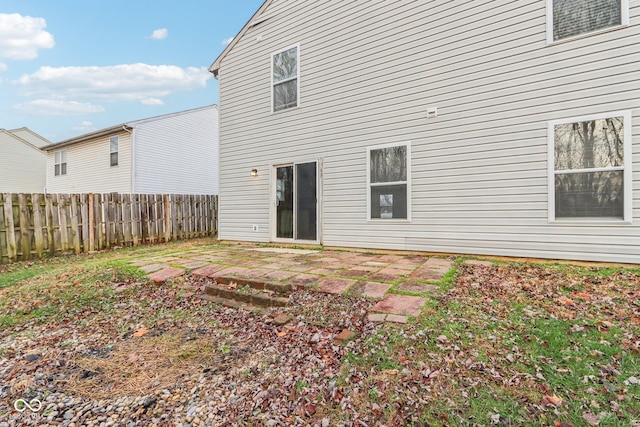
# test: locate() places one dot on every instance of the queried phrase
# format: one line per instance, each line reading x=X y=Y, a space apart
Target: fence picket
x=12 y=250
x=23 y=216
x=76 y=237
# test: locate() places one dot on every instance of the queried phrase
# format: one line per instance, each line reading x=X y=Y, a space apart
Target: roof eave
x=88 y=136
x=215 y=66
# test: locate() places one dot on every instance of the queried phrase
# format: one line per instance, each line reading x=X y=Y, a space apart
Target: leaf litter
x=508 y=344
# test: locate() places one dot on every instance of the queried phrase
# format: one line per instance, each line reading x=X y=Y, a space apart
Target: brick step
x=255 y=297
x=260 y=285
x=232 y=304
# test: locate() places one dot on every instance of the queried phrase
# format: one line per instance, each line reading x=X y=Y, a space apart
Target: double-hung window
x=113 y=151
x=60 y=163
x=570 y=18
x=284 y=79
x=389 y=171
x=590 y=168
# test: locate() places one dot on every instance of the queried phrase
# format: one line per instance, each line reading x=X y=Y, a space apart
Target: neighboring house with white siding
x=472 y=127
x=171 y=154
x=22 y=162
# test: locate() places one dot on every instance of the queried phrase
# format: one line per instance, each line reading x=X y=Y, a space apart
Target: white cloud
x=159 y=34
x=51 y=107
x=127 y=82
x=152 y=101
x=227 y=41
x=22 y=36
x=3 y=67
x=84 y=126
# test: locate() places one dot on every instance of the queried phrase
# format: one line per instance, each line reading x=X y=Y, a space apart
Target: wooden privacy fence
x=32 y=225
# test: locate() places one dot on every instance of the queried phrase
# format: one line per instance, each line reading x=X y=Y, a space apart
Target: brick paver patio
x=378 y=276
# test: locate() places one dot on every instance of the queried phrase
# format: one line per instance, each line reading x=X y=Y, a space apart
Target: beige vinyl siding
x=178 y=153
x=88 y=167
x=368 y=72
x=21 y=165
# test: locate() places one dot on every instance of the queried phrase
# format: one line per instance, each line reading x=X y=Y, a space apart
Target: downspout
x=133 y=160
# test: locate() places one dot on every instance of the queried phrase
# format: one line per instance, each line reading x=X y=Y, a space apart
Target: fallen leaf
x=581 y=295
x=282 y=333
x=632 y=381
x=442 y=339
x=310 y=409
x=554 y=400
x=565 y=301
x=133 y=357
x=591 y=418
x=140 y=332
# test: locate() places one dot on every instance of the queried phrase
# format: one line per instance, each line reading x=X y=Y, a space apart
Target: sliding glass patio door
x=296 y=201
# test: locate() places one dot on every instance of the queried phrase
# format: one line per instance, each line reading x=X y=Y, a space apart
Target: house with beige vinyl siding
x=22 y=162
x=169 y=154
x=507 y=128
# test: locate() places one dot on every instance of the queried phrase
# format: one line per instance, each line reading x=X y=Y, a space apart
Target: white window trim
x=55 y=163
x=627 y=175
x=624 y=22
x=408 y=182
x=117 y=151
x=272 y=84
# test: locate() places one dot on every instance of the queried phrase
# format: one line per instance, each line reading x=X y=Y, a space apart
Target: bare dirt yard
x=91 y=341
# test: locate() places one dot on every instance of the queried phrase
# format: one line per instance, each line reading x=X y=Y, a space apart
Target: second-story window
x=113 y=150
x=284 y=79
x=569 y=18
x=60 y=163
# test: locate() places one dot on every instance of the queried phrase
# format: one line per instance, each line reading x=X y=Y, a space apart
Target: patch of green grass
x=449 y=279
x=12 y=278
x=300 y=385
x=378 y=350
x=64 y=292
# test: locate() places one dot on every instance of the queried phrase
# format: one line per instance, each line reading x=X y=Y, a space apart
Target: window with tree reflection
x=575 y=17
x=284 y=79
x=388 y=182
x=589 y=168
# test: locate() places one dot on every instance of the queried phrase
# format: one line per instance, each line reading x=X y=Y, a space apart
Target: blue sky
x=69 y=67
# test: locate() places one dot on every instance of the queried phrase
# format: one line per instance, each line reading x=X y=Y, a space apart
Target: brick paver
x=279 y=275
x=166 y=274
x=304 y=280
x=434 y=269
x=371 y=289
x=333 y=285
x=208 y=270
x=400 y=304
x=152 y=267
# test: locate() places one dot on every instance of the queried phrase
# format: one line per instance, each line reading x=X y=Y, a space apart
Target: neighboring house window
x=569 y=18
x=60 y=163
x=590 y=167
x=389 y=171
x=113 y=150
x=284 y=79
